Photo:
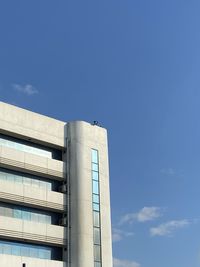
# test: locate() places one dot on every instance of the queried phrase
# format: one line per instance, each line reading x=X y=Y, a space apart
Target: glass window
x=3 y=176
x=48 y=254
x=96 y=218
x=18 y=179
x=10 y=177
x=48 y=219
x=26 y=215
x=7 y=249
x=96 y=207
x=17 y=213
x=34 y=217
x=27 y=181
x=97 y=253
x=34 y=252
x=95 y=175
x=29 y=214
x=95 y=167
x=35 y=183
x=44 y=254
x=94 y=156
x=29 y=147
x=2 y=211
x=1 y=248
x=27 y=250
x=97 y=264
x=16 y=250
x=49 y=186
x=95 y=187
x=95 y=198
x=97 y=236
x=8 y=212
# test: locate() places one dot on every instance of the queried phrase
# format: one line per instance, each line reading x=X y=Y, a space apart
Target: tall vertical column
x=83 y=139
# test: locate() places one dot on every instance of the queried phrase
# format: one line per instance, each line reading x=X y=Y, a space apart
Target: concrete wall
x=83 y=137
x=32 y=197
x=31 y=125
x=17 y=229
x=34 y=164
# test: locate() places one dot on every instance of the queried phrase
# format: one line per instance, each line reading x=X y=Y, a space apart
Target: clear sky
x=133 y=65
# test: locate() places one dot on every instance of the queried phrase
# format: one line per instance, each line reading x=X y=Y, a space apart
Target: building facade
x=54 y=192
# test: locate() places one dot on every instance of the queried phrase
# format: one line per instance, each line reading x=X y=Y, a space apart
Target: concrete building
x=54 y=192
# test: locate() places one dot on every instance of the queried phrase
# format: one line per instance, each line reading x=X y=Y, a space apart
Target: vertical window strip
x=96 y=208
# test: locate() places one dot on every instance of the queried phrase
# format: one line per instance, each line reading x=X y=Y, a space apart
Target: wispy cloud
x=125 y=263
x=168 y=228
x=144 y=215
x=27 y=89
x=168 y=171
x=118 y=234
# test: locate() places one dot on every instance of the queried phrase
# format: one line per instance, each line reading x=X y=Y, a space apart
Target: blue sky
x=134 y=66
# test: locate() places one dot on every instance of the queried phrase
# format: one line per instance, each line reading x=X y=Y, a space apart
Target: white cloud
x=27 y=89
x=144 y=215
x=166 y=229
x=169 y=171
x=118 y=234
x=125 y=263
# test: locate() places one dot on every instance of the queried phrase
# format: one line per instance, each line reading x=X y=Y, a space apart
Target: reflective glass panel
x=17 y=213
x=97 y=264
x=95 y=187
x=95 y=198
x=95 y=175
x=94 y=156
x=16 y=250
x=6 y=249
x=95 y=167
x=26 y=215
x=96 y=207
x=97 y=253
x=96 y=216
x=26 y=250
x=97 y=236
x=3 y=176
x=29 y=180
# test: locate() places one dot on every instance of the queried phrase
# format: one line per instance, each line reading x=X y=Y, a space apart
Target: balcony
x=32 y=197
x=26 y=231
x=17 y=261
x=30 y=163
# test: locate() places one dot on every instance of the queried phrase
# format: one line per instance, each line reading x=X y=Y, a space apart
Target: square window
x=96 y=207
x=95 y=167
x=96 y=198
x=95 y=176
x=97 y=264
x=95 y=187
